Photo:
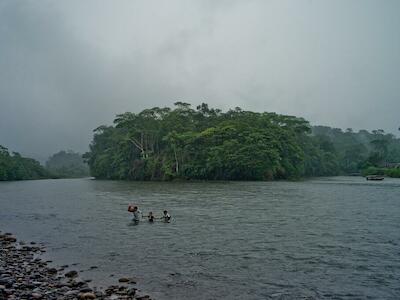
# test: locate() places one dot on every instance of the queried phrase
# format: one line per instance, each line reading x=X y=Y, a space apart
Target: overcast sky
x=67 y=67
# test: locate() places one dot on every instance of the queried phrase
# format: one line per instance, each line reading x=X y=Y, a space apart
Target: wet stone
x=71 y=293
x=37 y=296
x=86 y=296
x=71 y=274
x=52 y=271
x=86 y=290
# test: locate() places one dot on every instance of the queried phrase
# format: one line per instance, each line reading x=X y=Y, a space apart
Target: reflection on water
x=319 y=239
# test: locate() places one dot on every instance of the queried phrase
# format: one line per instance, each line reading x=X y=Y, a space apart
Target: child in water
x=166 y=217
x=150 y=217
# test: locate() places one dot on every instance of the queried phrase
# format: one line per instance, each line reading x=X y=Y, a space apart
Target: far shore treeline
x=15 y=167
x=63 y=164
x=67 y=164
x=208 y=144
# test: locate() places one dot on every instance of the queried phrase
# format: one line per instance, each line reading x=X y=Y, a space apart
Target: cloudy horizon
x=67 y=67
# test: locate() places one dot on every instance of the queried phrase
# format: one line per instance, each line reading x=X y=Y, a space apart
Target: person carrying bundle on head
x=136 y=213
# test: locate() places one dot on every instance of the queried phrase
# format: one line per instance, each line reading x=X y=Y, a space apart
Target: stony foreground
x=24 y=275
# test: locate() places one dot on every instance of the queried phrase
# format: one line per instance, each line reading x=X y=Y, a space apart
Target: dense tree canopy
x=67 y=164
x=15 y=167
x=206 y=143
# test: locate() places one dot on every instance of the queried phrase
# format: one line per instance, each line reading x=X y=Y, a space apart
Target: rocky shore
x=25 y=275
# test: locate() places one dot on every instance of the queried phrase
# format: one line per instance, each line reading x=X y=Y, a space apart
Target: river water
x=326 y=238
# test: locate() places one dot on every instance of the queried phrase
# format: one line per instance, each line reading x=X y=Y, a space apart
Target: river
x=326 y=238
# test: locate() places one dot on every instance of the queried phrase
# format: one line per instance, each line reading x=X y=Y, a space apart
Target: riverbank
x=25 y=275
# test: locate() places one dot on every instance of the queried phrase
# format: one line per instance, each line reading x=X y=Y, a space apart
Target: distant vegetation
x=67 y=164
x=206 y=143
x=367 y=152
x=391 y=172
x=15 y=167
x=61 y=165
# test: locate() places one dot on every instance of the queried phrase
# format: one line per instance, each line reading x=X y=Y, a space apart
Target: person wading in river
x=150 y=217
x=166 y=217
x=136 y=213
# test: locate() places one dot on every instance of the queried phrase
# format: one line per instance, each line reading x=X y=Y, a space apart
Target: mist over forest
x=68 y=66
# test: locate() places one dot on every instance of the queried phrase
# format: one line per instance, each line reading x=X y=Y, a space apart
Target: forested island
x=208 y=144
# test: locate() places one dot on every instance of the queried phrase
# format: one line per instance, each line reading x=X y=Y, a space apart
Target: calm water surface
x=328 y=238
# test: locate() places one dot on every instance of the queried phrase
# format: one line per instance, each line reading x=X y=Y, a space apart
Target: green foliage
x=15 y=167
x=361 y=150
x=67 y=164
x=205 y=143
x=373 y=171
x=391 y=172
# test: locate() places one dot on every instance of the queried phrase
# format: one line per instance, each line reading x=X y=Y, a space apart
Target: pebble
x=36 y=296
x=71 y=293
x=87 y=296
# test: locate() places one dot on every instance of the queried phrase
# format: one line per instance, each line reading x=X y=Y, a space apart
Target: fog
x=67 y=67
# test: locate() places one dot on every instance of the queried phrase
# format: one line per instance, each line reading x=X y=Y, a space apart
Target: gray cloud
x=68 y=66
